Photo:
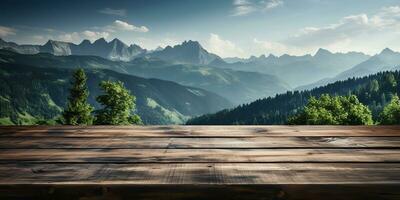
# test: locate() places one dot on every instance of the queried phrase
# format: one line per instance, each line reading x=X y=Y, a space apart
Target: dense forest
x=374 y=91
x=36 y=95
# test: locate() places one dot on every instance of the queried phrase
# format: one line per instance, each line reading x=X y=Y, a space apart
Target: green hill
x=375 y=91
x=237 y=86
x=29 y=94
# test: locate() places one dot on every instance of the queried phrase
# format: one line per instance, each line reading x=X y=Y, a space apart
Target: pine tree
x=78 y=111
x=118 y=105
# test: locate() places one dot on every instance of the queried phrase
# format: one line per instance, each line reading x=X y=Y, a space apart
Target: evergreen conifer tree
x=78 y=111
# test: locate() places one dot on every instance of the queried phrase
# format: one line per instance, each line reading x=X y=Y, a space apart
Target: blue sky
x=226 y=27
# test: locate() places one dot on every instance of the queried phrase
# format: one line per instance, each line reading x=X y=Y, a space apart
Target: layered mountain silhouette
x=237 y=86
x=210 y=72
x=204 y=82
x=298 y=70
x=386 y=60
x=189 y=52
x=113 y=50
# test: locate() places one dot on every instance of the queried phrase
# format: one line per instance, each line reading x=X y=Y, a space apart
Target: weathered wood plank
x=206 y=191
x=200 y=162
x=200 y=131
x=200 y=143
x=205 y=181
x=203 y=173
x=197 y=155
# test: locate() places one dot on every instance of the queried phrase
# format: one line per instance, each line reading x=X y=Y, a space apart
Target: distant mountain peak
x=387 y=51
x=322 y=52
x=192 y=44
x=118 y=43
x=158 y=48
x=49 y=42
x=134 y=45
x=188 y=52
x=116 y=40
x=113 y=50
x=284 y=56
x=100 y=40
x=56 y=43
x=85 y=42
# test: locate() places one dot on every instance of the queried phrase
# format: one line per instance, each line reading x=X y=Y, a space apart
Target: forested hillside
x=237 y=86
x=375 y=91
x=31 y=95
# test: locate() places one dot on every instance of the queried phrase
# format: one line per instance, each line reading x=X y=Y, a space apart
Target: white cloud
x=345 y=29
x=74 y=37
x=38 y=39
x=124 y=26
x=7 y=31
x=270 y=47
x=349 y=31
x=70 y=37
x=92 y=35
x=388 y=17
x=110 y=11
x=223 y=48
x=276 y=48
x=154 y=43
x=272 y=4
x=245 y=7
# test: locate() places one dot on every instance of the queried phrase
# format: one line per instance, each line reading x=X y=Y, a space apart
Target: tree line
x=344 y=110
x=376 y=92
x=117 y=104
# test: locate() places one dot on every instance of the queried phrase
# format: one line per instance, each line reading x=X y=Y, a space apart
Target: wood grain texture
x=208 y=192
x=198 y=143
x=200 y=131
x=197 y=155
x=202 y=173
x=200 y=162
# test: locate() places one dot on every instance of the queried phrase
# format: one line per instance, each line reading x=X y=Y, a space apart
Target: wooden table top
x=202 y=156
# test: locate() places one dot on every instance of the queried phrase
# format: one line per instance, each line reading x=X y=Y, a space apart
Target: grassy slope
x=30 y=93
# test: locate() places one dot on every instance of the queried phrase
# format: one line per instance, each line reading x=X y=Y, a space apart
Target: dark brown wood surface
x=200 y=162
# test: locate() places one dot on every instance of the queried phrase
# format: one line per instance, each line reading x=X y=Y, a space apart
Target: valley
x=176 y=83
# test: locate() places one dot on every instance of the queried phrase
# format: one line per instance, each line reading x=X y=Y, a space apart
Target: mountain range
x=190 y=65
x=294 y=70
x=298 y=70
x=237 y=86
x=189 y=52
x=386 y=60
x=113 y=50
